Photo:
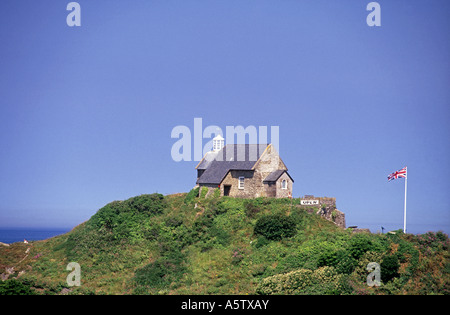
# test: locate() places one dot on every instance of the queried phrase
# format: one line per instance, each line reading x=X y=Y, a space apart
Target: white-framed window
x=284 y=184
x=241 y=182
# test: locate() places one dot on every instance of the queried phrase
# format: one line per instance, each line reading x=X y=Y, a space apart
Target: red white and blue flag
x=397 y=174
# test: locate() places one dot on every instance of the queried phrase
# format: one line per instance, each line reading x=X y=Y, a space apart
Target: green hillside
x=183 y=244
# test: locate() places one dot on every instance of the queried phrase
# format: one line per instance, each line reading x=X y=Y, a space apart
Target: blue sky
x=87 y=112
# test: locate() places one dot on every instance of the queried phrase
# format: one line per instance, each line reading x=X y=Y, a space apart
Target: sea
x=12 y=235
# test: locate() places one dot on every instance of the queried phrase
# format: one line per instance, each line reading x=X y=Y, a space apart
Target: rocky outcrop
x=325 y=207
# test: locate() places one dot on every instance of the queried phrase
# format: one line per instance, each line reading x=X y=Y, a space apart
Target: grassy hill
x=183 y=244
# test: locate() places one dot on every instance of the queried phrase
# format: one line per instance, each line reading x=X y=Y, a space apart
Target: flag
x=397 y=174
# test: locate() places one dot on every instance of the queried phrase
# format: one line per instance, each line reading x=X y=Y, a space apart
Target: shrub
x=226 y=204
x=406 y=253
x=237 y=255
x=339 y=259
x=216 y=193
x=203 y=192
x=433 y=241
x=14 y=287
x=123 y=219
x=346 y=263
x=191 y=195
x=360 y=271
x=324 y=280
x=261 y=241
x=220 y=236
x=328 y=258
x=251 y=209
x=389 y=268
x=359 y=244
x=162 y=272
x=275 y=227
x=152 y=204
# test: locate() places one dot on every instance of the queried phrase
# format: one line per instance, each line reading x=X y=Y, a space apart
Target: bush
x=216 y=193
x=14 y=287
x=346 y=263
x=339 y=259
x=251 y=209
x=123 y=219
x=203 y=192
x=324 y=280
x=360 y=272
x=162 y=272
x=359 y=244
x=328 y=258
x=275 y=227
x=261 y=241
x=433 y=241
x=152 y=204
x=237 y=256
x=191 y=195
x=389 y=268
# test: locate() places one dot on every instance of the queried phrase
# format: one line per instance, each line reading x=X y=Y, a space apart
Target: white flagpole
x=404 y=214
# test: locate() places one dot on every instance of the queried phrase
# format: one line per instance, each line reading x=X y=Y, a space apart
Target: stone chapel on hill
x=244 y=170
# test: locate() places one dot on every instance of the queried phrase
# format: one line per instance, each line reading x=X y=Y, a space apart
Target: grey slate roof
x=273 y=177
x=230 y=157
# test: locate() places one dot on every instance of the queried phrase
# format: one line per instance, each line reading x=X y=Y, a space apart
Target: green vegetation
x=275 y=226
x=193 y=244
x=15 y=287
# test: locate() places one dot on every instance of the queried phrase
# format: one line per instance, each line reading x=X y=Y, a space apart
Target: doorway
x=226 y=190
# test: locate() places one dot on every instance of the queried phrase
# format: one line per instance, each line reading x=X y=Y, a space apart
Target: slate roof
x=273 y=177
x=230 y=157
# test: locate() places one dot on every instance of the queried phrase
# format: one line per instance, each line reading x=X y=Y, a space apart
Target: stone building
x=244 y=170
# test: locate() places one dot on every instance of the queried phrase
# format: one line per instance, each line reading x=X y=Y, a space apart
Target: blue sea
x=12 y=235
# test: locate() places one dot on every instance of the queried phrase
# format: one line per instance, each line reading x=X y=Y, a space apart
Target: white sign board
x=309 y=202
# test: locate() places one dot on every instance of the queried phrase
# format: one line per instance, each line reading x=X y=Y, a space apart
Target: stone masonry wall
x=325 y=207
x=251 y=184
x=284 y=193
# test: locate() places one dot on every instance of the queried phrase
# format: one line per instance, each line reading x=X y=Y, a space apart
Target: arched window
x=284 y=184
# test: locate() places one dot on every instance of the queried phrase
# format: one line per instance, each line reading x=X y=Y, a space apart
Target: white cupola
x=218 y=143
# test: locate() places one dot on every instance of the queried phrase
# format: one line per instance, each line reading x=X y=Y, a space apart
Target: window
x=283 y=184
x=241 y=182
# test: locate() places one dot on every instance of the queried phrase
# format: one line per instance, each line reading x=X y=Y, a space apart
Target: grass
x=184 y=244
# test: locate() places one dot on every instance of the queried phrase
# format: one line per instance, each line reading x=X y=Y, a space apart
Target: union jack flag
x=397 y=174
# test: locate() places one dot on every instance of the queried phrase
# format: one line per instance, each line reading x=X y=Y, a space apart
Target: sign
x=309 y=202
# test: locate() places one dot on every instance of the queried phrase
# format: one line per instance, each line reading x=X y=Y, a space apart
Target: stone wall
x=254 y=186
x=268 y=162
x=325 y=207
x=284 y=193
x=251 y=184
